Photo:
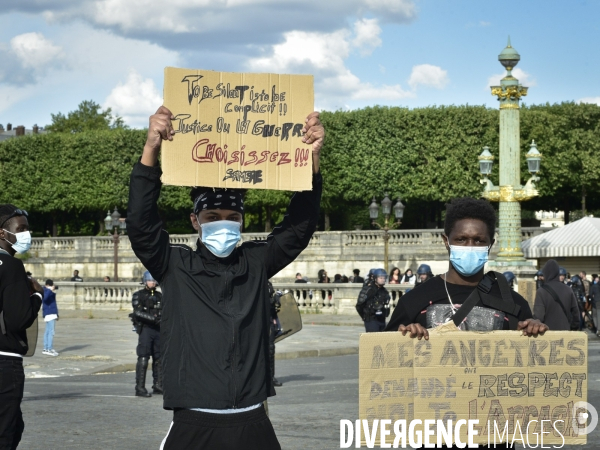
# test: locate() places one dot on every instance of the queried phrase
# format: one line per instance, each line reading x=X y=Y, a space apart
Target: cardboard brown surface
x=238 y=130
x=499 y=376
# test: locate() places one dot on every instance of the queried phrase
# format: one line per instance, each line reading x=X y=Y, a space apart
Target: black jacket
x=215 y=322
x=18 y=308
x=545 y=307
x=373 y=303
x=147 y=309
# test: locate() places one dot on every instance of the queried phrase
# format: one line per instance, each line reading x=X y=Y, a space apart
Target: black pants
x=12 y=381
x=374 y=325
x=149 y=343
x=195 y=430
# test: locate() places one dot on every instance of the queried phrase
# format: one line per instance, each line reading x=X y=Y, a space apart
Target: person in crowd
x=539 y=279
x=555 y=303
x=460 y=293
x=563 y=275
x=50 y=314
x=408 y=277
x=395 y=278
x=510 y=278
x=146 y=317
x=345 y=279
x=370 y=279
x=215 y=320
x=357 y=278
x=586 y=284
x=373 y=303
x=299 y=279
x=107 y=279
x=337 y=278
x=322 y=277
x=595 y=299
x=585 y=316
x=20 y=301
x=469 y=230
x=76 y=277
x=424 y=274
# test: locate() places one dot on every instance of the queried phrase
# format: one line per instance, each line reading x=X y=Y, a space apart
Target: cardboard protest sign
x=238 y=130
x=501 y=376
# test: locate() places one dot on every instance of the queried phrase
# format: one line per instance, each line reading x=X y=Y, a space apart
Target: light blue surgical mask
x=220 y=237
x=468 y=260
x=23 y=243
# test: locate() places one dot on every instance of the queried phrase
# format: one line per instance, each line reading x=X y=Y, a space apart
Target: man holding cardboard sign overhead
x=214 y=329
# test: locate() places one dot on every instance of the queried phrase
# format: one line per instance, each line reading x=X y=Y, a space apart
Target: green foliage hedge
x=425 y=155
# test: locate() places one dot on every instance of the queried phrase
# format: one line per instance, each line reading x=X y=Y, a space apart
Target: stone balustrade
x=334 y=251
x=332 y=298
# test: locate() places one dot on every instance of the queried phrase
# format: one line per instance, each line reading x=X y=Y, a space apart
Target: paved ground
x=107 y=343
x=98 y=411
x=66 y=406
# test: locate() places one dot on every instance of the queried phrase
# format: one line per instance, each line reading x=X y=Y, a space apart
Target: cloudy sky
x=56 y=53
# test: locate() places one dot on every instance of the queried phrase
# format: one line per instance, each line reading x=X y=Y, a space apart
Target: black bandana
x=219 y=199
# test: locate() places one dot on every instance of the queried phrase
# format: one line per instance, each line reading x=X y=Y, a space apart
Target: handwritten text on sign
x=502 y=379
x=238 y=130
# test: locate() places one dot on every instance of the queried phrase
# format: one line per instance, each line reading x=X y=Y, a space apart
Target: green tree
x=88 y=116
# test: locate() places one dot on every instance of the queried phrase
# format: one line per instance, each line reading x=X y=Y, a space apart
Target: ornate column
x=510 y=192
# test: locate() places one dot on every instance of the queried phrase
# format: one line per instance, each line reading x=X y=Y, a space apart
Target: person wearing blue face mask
x=489 y=303
x=20 y=302
x=215 y=319
x=469 y=235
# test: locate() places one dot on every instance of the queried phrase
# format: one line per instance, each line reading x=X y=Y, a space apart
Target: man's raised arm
x=292 y=235
x=144 y=227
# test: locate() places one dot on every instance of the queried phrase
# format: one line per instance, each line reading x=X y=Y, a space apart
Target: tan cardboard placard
x=500 y=376
x=238 y=130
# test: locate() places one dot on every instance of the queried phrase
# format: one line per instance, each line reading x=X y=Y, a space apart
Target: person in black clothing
x=76 y=277
x=423 y=274
x=595 y=298
x=299 y=279
x=20 y=302
x=469 y=234
x=539 y=279
x=215 y=321
x=373 y=304
x=147 y=312
x=357 y=278
x=555 y=303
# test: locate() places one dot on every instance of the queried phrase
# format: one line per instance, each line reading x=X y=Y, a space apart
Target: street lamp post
x=112 y=221
x=510 y=192
x=386 y=206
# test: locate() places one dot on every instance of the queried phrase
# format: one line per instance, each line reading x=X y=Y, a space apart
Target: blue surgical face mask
x=220 y=237
x=468 y=260
x=23 y=243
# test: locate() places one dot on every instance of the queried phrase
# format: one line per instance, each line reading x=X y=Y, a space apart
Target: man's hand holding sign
x=223 y=133
x=161 y=129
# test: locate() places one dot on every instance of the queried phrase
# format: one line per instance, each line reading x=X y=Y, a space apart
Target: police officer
x=373 y=304
x=562 y=275
x=423 y=274
x=275 y=328
x=539 y=279
x=147 y=310
x=511 y=278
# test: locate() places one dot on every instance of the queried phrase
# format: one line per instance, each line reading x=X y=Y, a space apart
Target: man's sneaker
x=52 y=352
x=46 y=352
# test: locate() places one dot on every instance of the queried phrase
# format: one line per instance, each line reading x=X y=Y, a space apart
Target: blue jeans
x=49 y=335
